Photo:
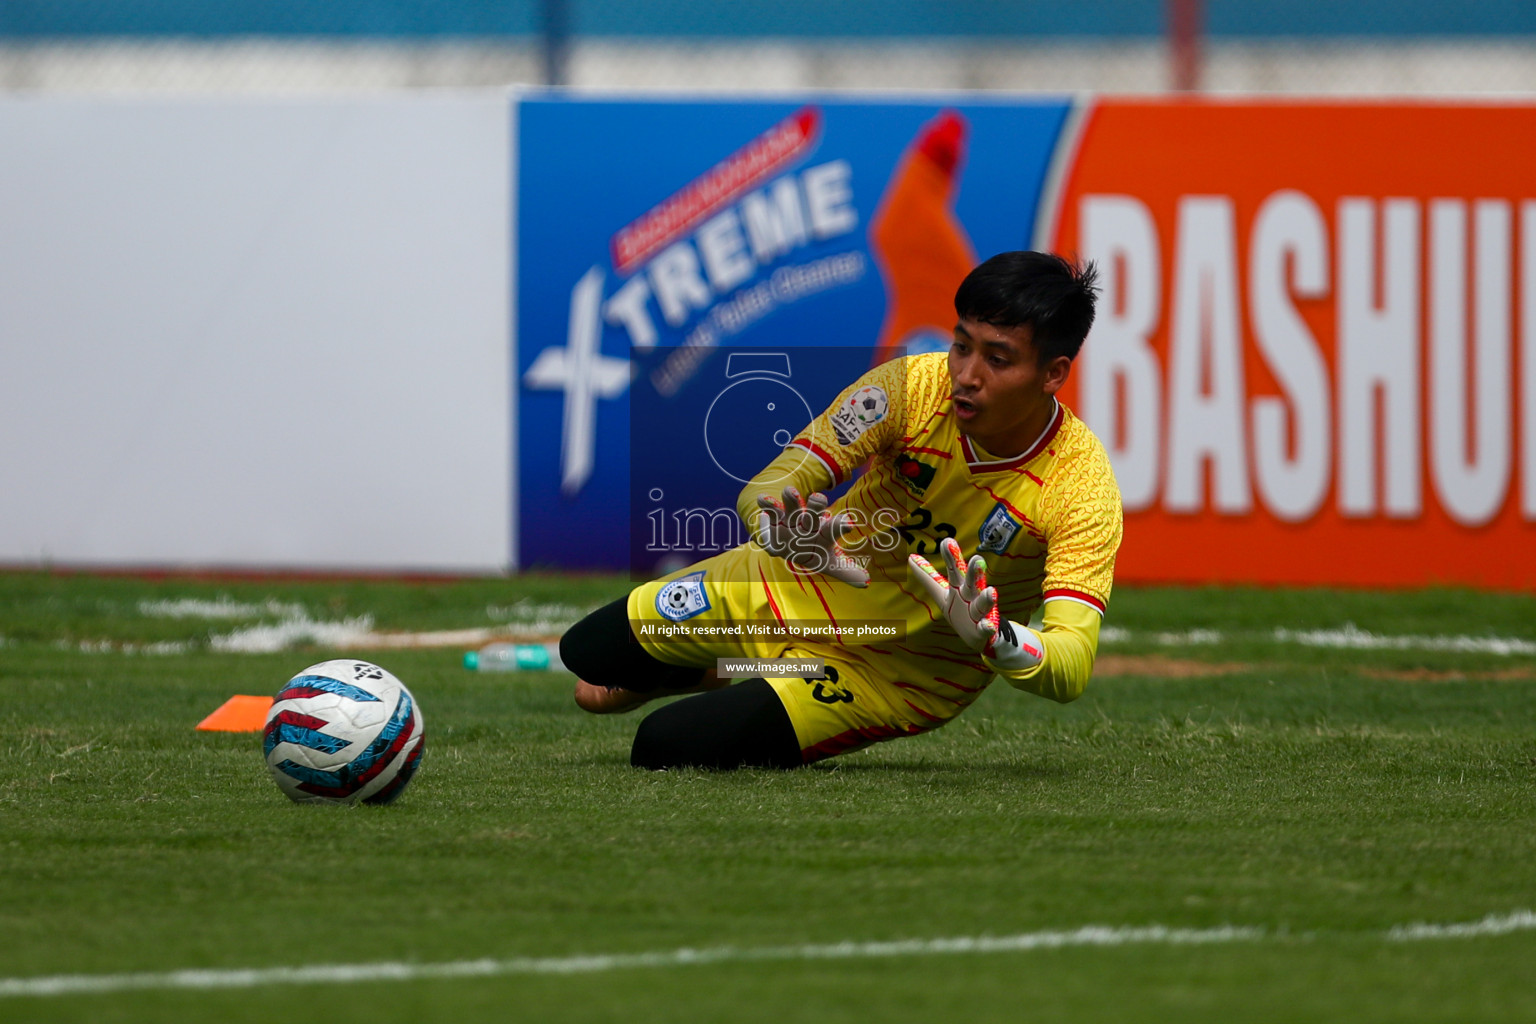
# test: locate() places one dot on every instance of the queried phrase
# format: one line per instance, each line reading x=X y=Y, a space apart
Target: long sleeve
x=865 y=418
x=1070 y=636
x=794 y=465
x=1082 y=518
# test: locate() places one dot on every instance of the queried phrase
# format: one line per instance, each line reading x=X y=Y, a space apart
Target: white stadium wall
x=265 y=333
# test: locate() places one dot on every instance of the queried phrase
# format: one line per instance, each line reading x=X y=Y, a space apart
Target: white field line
x=527 y=621
x=1348 y=636
x=275 y=637
x=111 y=647
x=341 y=974
x=1493 y=924
x=436 y=638
x=524 y=611
x=359 y=633
x=523 y=620
x=1354 y=638
x=269 y=637
x=221 y=608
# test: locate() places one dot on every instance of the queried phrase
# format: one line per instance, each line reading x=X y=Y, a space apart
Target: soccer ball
x=343 y=732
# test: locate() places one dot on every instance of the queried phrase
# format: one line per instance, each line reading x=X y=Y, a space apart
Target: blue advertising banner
x=686 y=266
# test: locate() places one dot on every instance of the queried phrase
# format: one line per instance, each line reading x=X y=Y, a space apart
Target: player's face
x=1002 y=395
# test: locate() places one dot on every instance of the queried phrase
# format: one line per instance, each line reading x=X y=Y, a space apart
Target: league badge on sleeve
x=864 y=408
x=997 y=530
x=683 y=598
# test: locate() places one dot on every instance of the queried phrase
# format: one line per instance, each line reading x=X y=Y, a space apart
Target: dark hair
x=1047 y=293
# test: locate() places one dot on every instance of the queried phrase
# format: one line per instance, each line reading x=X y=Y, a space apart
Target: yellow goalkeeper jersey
x=1048 y=522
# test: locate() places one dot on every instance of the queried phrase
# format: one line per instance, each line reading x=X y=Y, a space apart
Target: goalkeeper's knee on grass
x=602 y=650
x=740 y=726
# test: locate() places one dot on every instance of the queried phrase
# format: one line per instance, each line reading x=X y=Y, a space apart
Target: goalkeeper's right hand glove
x=806 y=535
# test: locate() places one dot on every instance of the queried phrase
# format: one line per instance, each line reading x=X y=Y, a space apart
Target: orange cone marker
x=241 y=713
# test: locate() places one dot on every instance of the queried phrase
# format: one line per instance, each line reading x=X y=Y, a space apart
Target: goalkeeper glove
x=971 y=608
x=806 y=535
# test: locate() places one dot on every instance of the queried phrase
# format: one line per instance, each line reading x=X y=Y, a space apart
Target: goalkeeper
x=983 y=500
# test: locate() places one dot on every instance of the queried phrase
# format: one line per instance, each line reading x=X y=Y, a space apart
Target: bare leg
x=615 y=700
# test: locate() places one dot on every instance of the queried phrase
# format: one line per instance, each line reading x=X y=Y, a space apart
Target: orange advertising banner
x=1315 y=357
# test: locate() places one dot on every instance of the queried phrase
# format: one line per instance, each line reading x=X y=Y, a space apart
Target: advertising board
x=657 y=238
x=1314 y=363
x=1315 y=359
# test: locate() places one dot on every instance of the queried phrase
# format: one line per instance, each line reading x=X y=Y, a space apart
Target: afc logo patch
x=683 y=598
x=997 y=530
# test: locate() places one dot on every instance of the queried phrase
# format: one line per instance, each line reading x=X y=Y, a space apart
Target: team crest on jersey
x=915 y=474
x=997 y=530
x=864 y=408
x=683 y=598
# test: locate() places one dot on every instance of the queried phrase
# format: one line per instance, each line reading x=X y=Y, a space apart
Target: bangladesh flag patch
x=915 y=473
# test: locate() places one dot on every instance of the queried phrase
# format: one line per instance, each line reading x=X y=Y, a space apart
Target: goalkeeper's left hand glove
x=971 y=608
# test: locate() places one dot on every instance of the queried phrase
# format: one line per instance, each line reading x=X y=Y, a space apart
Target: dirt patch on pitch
x=1158 y=666
x=1436 y=675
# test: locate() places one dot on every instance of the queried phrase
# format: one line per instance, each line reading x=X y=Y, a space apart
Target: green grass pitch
x=1215 y=774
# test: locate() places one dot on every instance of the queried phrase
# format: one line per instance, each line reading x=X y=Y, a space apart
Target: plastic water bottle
x=503 y=656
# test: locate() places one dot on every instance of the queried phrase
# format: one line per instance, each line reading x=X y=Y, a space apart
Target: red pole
x=1185 y=29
